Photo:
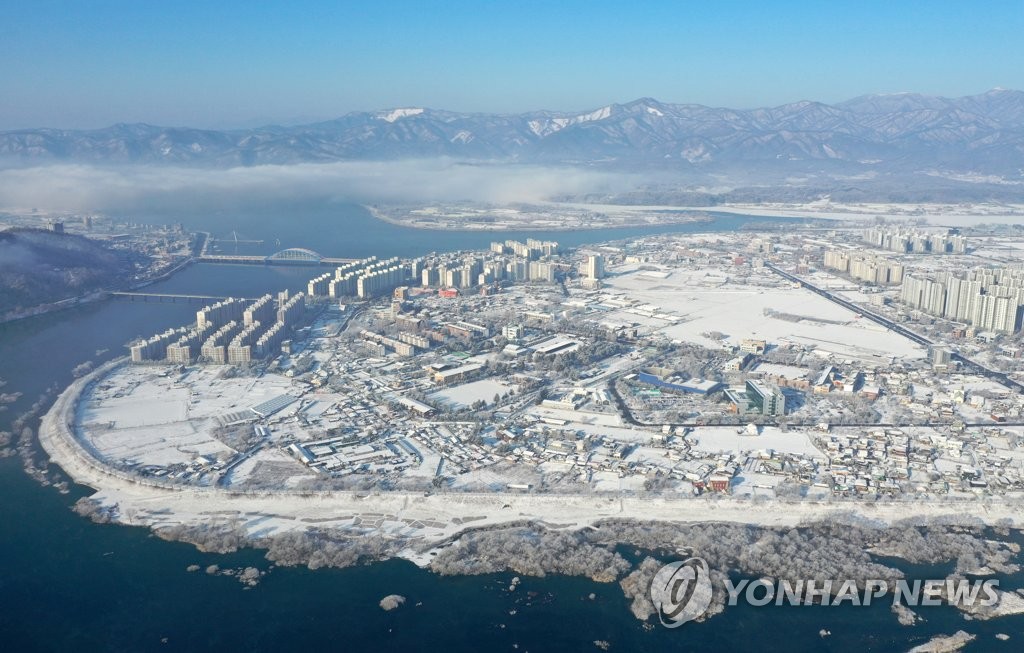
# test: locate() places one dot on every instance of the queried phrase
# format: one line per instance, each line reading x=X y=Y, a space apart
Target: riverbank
x=565 y=221
x=937 y=215
x=537 y=535
x=434 y=518
x=99 y=295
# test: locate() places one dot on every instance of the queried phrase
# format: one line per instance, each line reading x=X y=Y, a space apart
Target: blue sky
x=225 y=63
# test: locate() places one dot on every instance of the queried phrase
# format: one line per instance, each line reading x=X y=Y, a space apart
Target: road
x=977 y=367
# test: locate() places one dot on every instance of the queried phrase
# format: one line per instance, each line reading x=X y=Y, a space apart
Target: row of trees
x=532 y=551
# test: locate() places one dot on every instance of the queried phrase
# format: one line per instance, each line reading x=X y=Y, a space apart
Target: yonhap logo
x=681 y=591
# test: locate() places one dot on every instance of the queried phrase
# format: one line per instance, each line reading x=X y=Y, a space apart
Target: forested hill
x=38 y=267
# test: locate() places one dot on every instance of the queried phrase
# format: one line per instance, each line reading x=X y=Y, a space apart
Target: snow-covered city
x=669 y=366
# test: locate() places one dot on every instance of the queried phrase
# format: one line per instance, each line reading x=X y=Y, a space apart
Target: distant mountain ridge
x=908 y=132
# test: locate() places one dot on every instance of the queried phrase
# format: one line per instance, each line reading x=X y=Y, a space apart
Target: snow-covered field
x=466 y=394
x=739 y=312
x=143 y=416
x=952 y=215
x=584 y=420
x=714 y=439
x=287 y=473
x=148 y=404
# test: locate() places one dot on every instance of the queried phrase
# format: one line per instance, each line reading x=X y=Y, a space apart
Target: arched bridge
x=295 y=255
x=291 y=256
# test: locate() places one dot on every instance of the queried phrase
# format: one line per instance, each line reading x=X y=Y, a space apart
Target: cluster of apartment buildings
x=915 y=242
x=534 y=260
x=531 y=250
x=232 y=330
x=868 y=268
x=403 y=344
x=475 y=271
x=459 y=273
x=512 y=260
x=155 y=347
x=365 y=278
x=989 y=299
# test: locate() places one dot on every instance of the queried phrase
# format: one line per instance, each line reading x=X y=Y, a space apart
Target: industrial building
x=668 y=380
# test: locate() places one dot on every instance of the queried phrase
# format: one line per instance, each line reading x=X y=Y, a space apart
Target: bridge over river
x=169 y=297
x=291 y=256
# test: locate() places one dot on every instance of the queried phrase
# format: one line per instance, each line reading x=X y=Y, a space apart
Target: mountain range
x=974 y=135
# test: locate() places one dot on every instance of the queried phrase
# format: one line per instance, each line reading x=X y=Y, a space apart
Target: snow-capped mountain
x=981 y=134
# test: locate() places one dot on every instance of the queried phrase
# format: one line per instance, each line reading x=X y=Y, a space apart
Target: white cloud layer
x=99 y=188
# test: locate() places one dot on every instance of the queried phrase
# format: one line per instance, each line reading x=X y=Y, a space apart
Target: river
x=69 y=584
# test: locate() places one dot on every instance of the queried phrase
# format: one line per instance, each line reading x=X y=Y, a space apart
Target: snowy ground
x=432 y=517
x=938 y=214
x=273 y=467
x=952 y=215
x=580 y=420
x=731 y=439
x=785 y=371
x=142 y=415
x=462 y=396
x=739 y=312
x=998 y=249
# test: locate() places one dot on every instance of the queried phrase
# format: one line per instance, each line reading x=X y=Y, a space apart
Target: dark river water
x=68 y=584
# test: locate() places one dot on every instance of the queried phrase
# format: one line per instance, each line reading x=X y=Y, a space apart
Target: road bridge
x=291 y=256
x=169 y=297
